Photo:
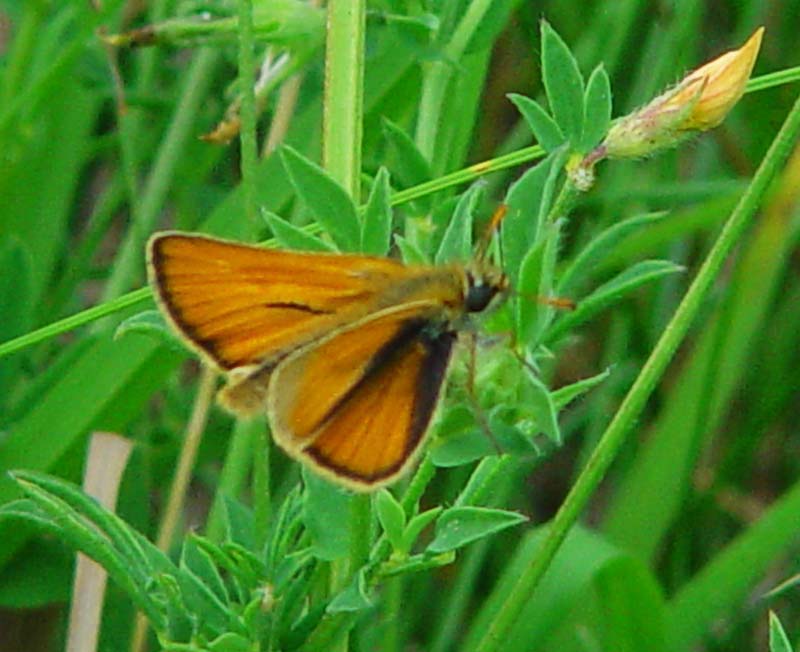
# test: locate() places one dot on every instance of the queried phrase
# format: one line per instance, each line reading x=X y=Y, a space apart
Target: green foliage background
x=697 y=518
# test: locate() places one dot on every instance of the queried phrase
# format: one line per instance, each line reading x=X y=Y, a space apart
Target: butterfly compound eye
x=479 y=296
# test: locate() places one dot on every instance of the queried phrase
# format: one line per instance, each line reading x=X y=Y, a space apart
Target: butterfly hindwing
x=356 y=405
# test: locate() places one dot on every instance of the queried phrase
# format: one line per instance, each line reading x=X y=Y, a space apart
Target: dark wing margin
x=429 y=381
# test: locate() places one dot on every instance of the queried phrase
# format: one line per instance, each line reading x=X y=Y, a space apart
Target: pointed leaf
x=152 y=323
x=292 y=237
x=611 y=292
x=416 y=525
x=563 y=83
x=456 y=244
x=330 y=204
x=239 y=522
x=459 y=526
x=376 y=235
x=563 y=396
x=581 y=268
x=545 y=130
x=199 y=562
x=410 y=252
x=778 y=641
x=540 y=405
x=391 y=516
x=408 y=165
x=326 y=514
x=521 y=223
x=597 y=117
x=353 y=598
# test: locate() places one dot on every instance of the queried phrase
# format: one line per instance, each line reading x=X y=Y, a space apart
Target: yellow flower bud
x=723 y=81
x=698 y=103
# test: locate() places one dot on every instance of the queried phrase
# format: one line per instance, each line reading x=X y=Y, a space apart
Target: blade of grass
x=728 y=579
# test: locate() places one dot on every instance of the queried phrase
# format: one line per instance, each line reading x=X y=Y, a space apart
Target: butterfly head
x=482 y=287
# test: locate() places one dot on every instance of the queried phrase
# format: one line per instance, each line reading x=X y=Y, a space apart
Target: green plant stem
x=198 y=78
x=627 y=414
x=437 y=76
x=234 y=471
x=392 y=640
x=344 y=93
x=342 y=127
x=262 y=505
x=247 y=111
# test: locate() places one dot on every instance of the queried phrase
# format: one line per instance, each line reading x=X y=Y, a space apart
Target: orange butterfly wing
x=356 y=405
x=244 y=305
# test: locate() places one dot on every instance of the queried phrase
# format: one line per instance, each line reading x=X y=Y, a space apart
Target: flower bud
x=698 y=103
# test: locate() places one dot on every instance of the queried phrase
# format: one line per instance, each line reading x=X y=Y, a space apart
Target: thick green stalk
x=247 y=111
x=344 y=93
x=341 y=156
x=614 y=436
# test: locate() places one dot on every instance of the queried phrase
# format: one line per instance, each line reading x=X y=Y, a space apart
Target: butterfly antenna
x=491 y=228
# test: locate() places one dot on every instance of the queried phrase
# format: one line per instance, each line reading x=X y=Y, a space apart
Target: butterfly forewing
x=363 y=426
x=244 y=305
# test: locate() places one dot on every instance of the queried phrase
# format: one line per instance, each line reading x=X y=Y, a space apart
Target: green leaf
x=230 y=642
x=376 y=234
x=206 y=608
x=353 y=598
x=456 y=244
x=563 y=396
x=535 y=281
x=152 y=324
x=239 y=522
x=521 y=224
x=597 y=117
x=459 y=526
x=545 y=130
x=328 y=201
x=563 y=83
x=530 y=279
x=415 y=527
x=293 y=237
x=326 y=514
x=778 y=641
x=409 y=167
x=198 y=561
x=611 y=292
x=391 y=516
x=410 y=252
x=540 y=405
x=581 y=269
x=631 y=606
